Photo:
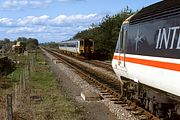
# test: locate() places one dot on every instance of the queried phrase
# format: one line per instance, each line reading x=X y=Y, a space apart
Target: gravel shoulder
x=72 y=85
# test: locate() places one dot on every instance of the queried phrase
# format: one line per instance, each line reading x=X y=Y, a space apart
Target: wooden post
x=16 y=97
x=9 y=107
x=24 y=80
x=29 y=70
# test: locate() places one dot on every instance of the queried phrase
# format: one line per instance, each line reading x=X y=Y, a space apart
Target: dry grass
x=49 y=103
x=41 y=99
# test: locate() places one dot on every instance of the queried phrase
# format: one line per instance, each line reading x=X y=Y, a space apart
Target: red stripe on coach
x=153 y=63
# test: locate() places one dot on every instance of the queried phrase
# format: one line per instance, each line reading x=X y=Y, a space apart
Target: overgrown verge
x=51 y=104
x=35 y=92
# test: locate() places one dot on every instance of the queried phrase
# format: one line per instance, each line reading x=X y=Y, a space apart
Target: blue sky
x=57 y=20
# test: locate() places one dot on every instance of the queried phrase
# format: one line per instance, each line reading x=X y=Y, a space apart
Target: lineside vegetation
x=105 y=34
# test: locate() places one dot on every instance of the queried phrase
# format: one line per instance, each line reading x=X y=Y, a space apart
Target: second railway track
x=97 y=63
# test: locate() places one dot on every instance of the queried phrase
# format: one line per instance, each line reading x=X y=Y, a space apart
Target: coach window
x=122 y=40
x=119 y=44
x=91 y=43
x=117 y=50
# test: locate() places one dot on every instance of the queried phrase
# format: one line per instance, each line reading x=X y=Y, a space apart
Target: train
x=83 y=47
x=147 y=58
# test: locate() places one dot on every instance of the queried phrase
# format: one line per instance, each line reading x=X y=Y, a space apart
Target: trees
x=51 y=45
x=32 y=43
x=29 y=43
x=5 y=41
x=105 y=34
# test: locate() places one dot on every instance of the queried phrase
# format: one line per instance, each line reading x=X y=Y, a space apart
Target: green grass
x=54 y=104
x=23 y=61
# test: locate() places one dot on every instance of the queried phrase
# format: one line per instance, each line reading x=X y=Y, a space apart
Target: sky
x=57 y=20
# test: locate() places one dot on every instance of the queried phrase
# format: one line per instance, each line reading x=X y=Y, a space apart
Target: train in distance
x=147 y=57
x=84 y=47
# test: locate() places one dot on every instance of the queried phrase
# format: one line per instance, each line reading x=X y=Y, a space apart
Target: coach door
x=123 y=37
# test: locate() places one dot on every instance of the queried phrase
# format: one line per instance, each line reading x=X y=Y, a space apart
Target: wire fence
x=18 y=100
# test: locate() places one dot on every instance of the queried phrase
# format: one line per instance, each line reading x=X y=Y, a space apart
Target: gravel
x=72 y=85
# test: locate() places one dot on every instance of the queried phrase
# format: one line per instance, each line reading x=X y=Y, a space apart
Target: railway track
x=104 y=65
x=97 y=63
x=108 y=85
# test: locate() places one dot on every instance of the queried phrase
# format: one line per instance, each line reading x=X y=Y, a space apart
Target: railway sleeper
x=128 y=92
x=137 y=111
x=130 y=108
x=143 y=117
x=110 y=96
x=120 y=102
x=103 y=91
x=106 y=94
x=114 y=99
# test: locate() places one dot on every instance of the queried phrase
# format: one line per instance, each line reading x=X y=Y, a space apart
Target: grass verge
x=42 y=99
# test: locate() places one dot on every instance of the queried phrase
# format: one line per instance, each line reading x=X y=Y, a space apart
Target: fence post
x=9 y=107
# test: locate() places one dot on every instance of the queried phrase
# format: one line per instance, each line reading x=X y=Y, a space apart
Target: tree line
x=105 y=34
x=29 y=43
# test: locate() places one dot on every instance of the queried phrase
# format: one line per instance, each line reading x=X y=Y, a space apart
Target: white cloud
x=19 y=30
x=6 y=21
x=38 y=4
x=30 y=20
x=27 y=30
x=59 y=19
x=14 y=3
x=69 y=0
x=20 y=4
x=45 y=20
x=74 y=19
x=58 y=28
